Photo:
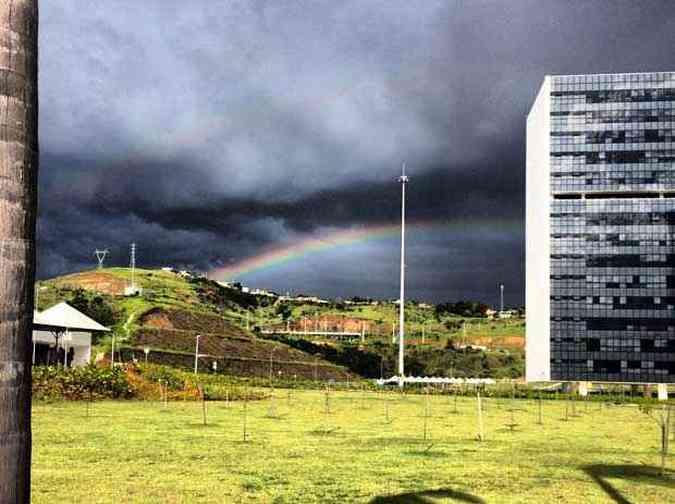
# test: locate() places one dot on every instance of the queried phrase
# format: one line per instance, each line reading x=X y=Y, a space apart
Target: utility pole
x=37 y=296
x=403 y=179
x=112 y=351
x=197 y=352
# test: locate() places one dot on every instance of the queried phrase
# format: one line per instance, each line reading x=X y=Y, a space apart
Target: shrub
x=55 y=382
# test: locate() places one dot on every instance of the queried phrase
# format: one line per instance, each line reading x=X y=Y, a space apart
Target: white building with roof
x=62 y=335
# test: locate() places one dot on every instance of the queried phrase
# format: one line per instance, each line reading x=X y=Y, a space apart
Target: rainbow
x=316 y=242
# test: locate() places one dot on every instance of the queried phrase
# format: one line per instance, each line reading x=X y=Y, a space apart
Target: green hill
x=168 y=314
x=234 y=326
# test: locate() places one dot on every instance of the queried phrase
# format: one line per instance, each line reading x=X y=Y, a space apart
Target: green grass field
x=137 y=452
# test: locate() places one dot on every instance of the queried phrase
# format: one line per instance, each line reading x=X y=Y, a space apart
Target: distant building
x=600 y=247
x=264 y=293
x=132 y=290
x=477 y=348
x=309 y=299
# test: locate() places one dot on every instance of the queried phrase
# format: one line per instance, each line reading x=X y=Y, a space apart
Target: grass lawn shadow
x=428 y=497
x=649 y=475
x=200 y=425
x=427 y=452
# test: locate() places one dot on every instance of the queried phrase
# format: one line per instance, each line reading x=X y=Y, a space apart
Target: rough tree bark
x=18 y=208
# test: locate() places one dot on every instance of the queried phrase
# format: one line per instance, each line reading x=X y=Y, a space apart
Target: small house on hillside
x=62 y=335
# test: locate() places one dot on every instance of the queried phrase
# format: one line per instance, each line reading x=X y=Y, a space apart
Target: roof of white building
x=65 y=316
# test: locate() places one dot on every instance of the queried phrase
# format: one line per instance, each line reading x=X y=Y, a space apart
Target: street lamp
x=197 y=352
x=403 y=179
x=146 y=351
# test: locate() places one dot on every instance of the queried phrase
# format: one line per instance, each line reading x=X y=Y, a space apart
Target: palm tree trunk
x=18 y=208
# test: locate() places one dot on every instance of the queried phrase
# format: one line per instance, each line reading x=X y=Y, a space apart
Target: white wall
x=537 y=239
x=80 y=341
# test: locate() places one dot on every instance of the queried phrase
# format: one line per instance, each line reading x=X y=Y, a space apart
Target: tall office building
x=600 y=230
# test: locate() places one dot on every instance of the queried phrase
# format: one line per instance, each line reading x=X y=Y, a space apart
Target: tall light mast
x=403 y=179
x=132 y=263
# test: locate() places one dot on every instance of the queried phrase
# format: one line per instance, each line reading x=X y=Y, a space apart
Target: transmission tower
x=132 y=264
x=100 y=256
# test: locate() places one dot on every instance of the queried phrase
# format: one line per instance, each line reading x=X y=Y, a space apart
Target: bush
x=165 y=375
x=56 y=382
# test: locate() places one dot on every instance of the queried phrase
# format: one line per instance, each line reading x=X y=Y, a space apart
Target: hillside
x=167 y=316
x=234 y=327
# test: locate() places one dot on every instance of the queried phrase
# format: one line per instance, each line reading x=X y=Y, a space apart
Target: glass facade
x=612 y=161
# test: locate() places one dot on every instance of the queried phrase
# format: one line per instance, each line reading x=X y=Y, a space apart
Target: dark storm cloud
x=207 y=131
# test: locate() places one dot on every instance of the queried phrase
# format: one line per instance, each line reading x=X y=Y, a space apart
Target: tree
x=284 y=311
x=18 y=208
x=95 y=307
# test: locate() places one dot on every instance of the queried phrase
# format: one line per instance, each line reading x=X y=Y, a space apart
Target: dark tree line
x=462 y=309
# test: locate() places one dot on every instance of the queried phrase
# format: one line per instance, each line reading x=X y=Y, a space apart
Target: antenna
x=403 y=179
x=100 y=256
x=132 y=264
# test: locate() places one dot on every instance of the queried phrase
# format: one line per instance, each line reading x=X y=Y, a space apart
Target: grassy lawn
x=137 y=452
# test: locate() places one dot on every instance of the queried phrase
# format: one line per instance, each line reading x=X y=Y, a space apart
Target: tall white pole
x=501 y=297
x=197 y=353
x=403 y=179
x=133 y=266
x=112 y=351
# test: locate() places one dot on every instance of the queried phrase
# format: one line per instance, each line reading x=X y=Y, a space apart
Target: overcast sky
x=209 y=131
